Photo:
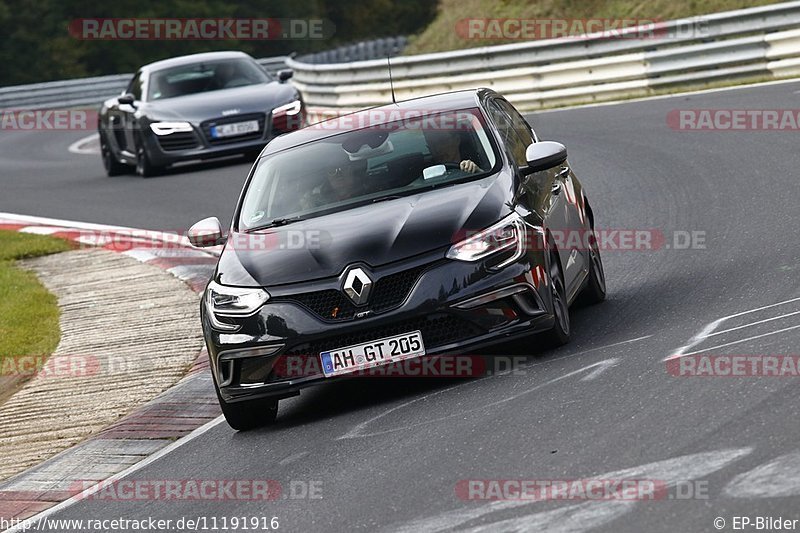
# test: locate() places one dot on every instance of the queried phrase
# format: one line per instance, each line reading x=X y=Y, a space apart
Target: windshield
x=367 y=165
x=204 y=77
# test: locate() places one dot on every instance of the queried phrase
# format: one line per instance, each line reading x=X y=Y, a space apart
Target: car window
x=515 y=145
x=519 y=124
x=135 y=86
x=204 y=77
x=364 y=165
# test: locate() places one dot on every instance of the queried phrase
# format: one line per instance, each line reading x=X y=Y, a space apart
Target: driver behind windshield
x=228 y=75
x=343 y=181
x=445 y=147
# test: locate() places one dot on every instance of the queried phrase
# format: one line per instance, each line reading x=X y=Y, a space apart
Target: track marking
x=598 y=368
x=754 y=324
x=602 y=367
x=711 y=327
x=583 y=516
x=128 y=471
x=292 y=458
x=590 y=350
x=776 y=479
x=744 y=340
x=75 y=147
x=356 y=432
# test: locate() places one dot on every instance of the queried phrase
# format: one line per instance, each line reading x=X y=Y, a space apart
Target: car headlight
x=232 y=302
x=508 y=235
x=292 y=108
x=166 y=128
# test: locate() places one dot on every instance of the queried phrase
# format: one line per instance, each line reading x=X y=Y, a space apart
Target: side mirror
x=544 y=155
x=207 y=232
x=285 y=74
x=126 y=98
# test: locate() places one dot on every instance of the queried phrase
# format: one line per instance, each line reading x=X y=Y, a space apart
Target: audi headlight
x=292 y=108
x=232 y=302
x=508 y=235
x=166 y=128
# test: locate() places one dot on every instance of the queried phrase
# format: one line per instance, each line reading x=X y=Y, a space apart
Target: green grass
x=28 y=312
x=441 y=34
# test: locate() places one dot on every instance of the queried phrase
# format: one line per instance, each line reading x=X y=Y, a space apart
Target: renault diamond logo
x=357 y=286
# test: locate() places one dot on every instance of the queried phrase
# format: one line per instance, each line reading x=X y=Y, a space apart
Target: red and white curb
x=168 y=250
x=147 y=432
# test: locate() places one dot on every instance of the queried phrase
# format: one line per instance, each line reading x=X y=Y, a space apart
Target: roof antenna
x=391 y=82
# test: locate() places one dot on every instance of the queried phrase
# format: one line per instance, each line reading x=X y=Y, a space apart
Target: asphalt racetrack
x=388 y=455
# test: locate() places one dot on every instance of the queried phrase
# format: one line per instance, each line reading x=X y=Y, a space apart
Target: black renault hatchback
x=434 y=226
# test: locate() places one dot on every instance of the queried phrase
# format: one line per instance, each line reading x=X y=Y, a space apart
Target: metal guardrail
x=84 y=91
x=362 y=51
x=762 y=41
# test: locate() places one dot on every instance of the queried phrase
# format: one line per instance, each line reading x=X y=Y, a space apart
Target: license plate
x=237 y=128
x=371 y=354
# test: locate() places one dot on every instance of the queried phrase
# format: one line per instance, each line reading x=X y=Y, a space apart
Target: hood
x=199 y=107
x=377 y=234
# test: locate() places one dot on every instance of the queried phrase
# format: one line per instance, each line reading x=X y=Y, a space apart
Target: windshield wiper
x=275 y=222
x=386 y=198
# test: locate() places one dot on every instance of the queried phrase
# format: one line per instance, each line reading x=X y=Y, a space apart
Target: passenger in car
x=446 y=147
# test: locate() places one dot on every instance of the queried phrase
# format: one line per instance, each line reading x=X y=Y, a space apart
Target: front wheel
x=110 y=163
x=595 y=290
x=144 y=167
x=559 y=334
x=249 y=414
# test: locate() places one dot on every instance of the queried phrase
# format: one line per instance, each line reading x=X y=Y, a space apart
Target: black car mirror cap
x=285 y=74
x=206 y=233
x=126 y=98
x=544 y=155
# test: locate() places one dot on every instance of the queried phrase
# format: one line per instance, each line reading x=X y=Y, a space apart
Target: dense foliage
x=37 y=46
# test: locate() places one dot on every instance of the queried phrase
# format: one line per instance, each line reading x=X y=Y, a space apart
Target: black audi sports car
x=434 y=226
x=195 y=107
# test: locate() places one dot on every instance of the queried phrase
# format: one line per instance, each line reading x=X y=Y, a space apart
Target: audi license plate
x=372 y=354
x=237 y=128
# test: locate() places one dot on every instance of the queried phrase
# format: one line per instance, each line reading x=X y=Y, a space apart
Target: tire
x=559 y=334
x=249 y=414
x=144 y=167
x=595 y=290
x=110 y=163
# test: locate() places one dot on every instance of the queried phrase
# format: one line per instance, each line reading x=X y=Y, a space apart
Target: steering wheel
x=452 y=166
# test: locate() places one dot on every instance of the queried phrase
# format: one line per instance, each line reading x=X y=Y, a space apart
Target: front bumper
x=199 y=144
x=459 y=307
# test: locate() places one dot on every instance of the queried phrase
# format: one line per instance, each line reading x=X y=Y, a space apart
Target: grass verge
x=28 y=312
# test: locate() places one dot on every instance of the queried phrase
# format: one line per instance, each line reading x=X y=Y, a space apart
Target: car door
x=564 y=209
x=570 y=214
x=122 y=118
